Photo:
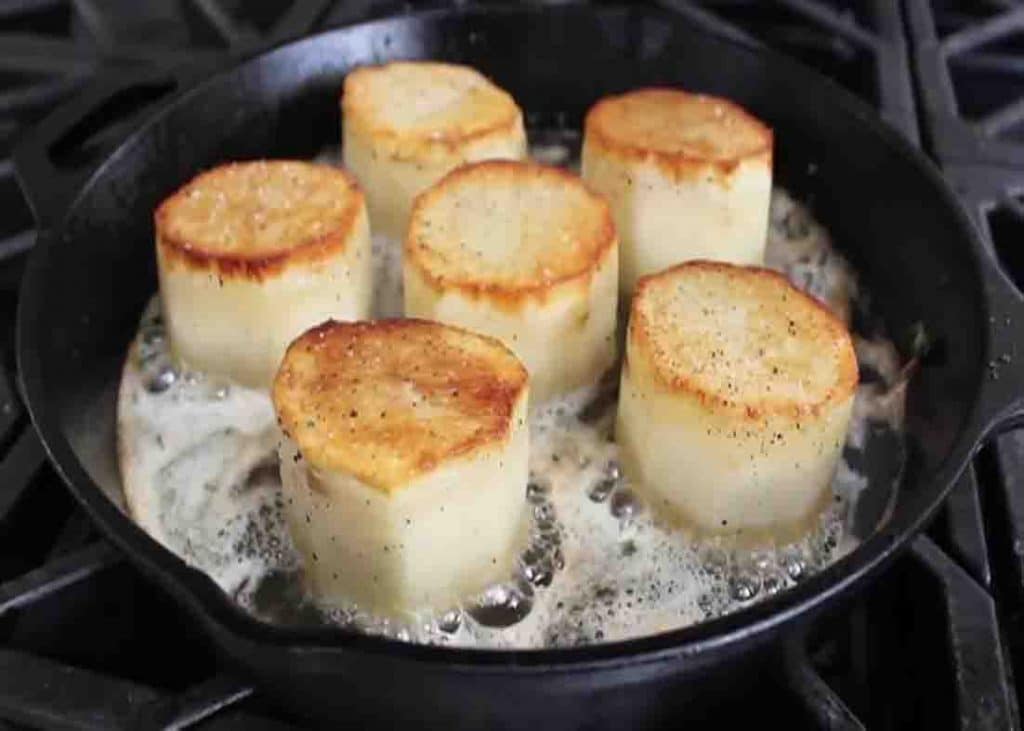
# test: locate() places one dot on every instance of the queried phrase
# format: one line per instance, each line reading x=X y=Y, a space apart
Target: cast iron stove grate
x=970 y=70
x=85 y=642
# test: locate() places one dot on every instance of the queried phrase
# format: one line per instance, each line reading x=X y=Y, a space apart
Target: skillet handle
x=1001 y=402
x=48 y=160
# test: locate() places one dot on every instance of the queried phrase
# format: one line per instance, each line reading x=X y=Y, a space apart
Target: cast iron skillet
x=93 y=269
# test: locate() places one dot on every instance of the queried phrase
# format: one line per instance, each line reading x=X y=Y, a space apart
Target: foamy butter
x=198 y=465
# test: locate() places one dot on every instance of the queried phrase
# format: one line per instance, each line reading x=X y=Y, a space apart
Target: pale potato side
x=688 y=177
x=405 y=463
x=251 y=254
x=527 y=254
x=735 y=400
x=405 y=124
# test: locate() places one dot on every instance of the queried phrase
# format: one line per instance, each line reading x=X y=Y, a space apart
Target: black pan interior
x=887 y=209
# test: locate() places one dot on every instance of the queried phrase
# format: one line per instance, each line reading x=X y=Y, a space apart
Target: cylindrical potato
x=251 y=254
x=735 y=399
x=688 y=177
x=405 y=124
x=525 y=253
x=405 y=463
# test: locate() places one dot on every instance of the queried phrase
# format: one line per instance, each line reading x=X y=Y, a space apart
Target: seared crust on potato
x=427 y=105
x=254 y=218
x=390 y=400
x=742 y=339
x=735 y=400
x=682 y=132
x=523 y=252
x=512 y=230
x=407 y=123
x=251 y=254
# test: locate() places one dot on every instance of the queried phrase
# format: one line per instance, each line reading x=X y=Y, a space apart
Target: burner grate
x=47 y=694
x=79 y=628
x=859 y=44
x=971 y=72
x=969 y=62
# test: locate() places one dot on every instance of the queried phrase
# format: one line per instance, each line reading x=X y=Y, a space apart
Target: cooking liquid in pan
x=200 y=456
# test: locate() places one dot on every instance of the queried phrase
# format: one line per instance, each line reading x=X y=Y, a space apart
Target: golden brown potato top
x=426 y=102
x=508 y=229
x=741 y=338
x=676 y=125
x=260 y=212
x=389 y=400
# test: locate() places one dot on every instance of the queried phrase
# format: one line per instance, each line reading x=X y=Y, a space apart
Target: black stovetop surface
x=86 y=642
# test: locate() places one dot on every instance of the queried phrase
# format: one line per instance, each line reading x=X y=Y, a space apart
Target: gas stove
x=87 y=642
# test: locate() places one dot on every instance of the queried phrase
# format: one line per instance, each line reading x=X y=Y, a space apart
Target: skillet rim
x=229 y=625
